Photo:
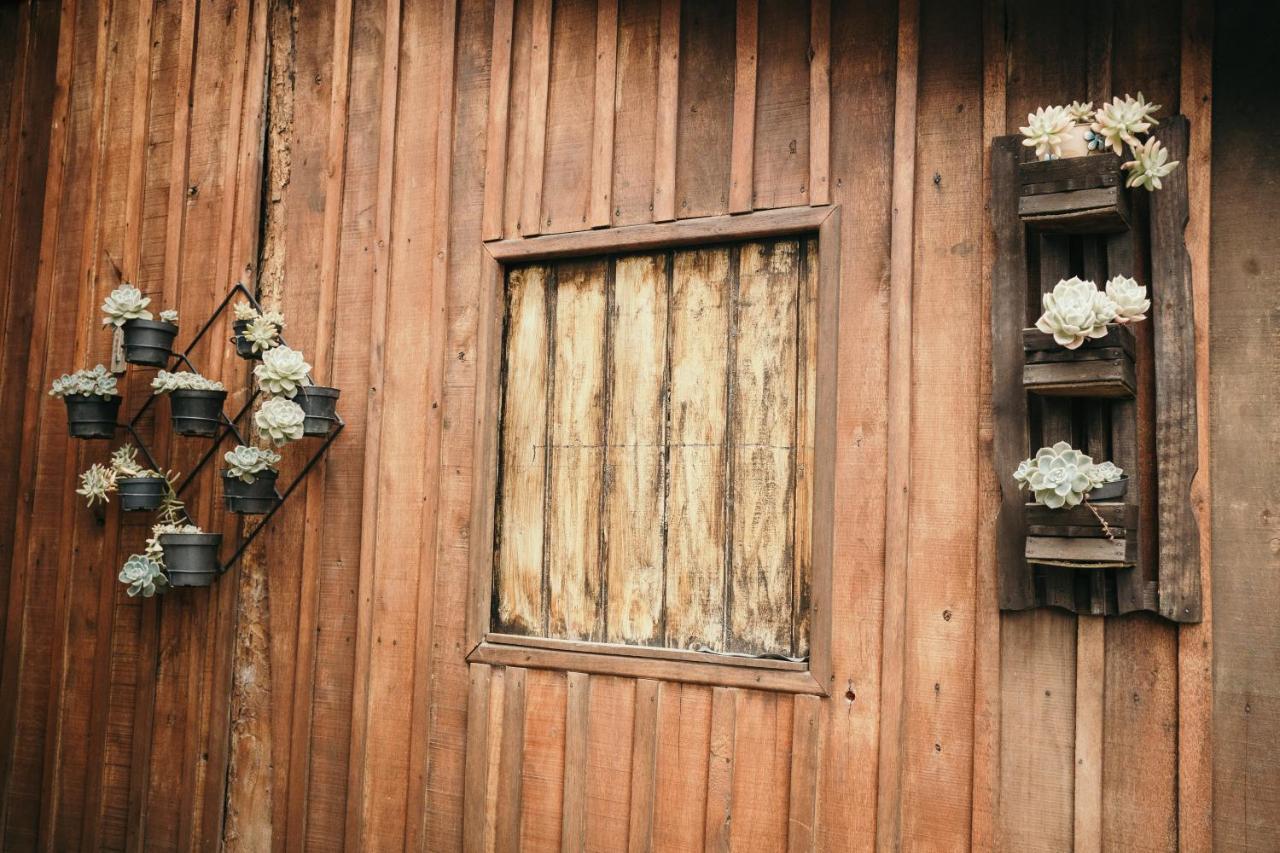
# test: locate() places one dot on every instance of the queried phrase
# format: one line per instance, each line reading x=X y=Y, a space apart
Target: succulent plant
x=169 y=315
x=1103 y=472
x=1058 y=475
x=280 y=420
x=125 y=303
x=186 y=380
x=1045 y=129
x=1023 y=472
x=1130 y=299
x=1148 y=165
x=244 y=311
x=142 y=575
x=96 y=482
x=1120 y=121
x=124 y=462
x=282 y=371
x=262 y=333
x=1080 y=113
x=98 y=382
x=1074 y=312
x=245 y=462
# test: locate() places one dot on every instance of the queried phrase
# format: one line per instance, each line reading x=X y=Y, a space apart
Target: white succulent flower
x=98 y=382
x=1023 y=473
x=1080 y=113
x=275 y=318
x=96 y=482
x=184 y=380
x=261 y=333
x=1059 y=476
x=1120 y=121
x=280 y=420
x=1130 y=299
x=245 y=462
x=124 y=462
x=124 y=303
x=1103 y=472
x=142 y=575
x=282 y=371
x=1148 y=165
x=244 y=311
x=169 y=315
x=1045 y=129
x=1074 y=312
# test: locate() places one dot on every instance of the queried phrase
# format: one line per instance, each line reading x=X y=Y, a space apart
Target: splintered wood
x=656 y=435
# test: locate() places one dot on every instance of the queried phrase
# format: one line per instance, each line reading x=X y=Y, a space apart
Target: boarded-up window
x=656 y=448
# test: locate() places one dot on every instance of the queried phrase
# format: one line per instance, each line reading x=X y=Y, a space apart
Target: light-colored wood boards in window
x=657 y=412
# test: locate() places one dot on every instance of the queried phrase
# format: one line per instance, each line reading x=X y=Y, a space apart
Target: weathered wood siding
x=319 y=696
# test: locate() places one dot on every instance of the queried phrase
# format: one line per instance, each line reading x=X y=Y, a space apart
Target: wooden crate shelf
x=1101 y=367
x=1074 y=539
x=1076 y=195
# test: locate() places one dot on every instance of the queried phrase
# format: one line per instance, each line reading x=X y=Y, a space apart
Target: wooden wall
x=351 y=156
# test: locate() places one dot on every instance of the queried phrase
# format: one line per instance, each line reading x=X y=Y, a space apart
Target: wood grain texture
x=535 y=145
x=721 y=755
x=667 y=110
x=608 y=762
x=742 y=154
x=499 y=110
x=602 y=124
x=570 y=155
x=781 y=150
x=635 y=102
x=820 y=102
x=706 y=77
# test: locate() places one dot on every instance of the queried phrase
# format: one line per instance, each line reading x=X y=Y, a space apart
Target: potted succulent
x=1061 y=476
x=178 y=553
x=249 y=482
x=284 y=373
x=147 y=342
x=92 y=402
x=140 y=489
x=255 y=331
x=1064 y=484
x=280 y=421
x=195 y=403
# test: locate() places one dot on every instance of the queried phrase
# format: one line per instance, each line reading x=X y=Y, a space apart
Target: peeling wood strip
x=720 y=759
x=601 y=208
x=536 y=129
x=644 y=762
x=820 y=102
x=664 y=158
x=495 y=168
x=742 y=156
x=898 y=429
x=511 y=762
x=573 y=812
x=805 y=747
x=476 y=776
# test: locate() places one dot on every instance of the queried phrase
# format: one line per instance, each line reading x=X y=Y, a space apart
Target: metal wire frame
x=230 y=427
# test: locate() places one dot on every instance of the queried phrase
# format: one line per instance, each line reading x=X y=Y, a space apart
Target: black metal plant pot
x=191 y=559
x=149 y=342
x=244 y=347
x=320 y=405
x=141 y=494
x=256 y=498
x=91 y=416
x=196 y=412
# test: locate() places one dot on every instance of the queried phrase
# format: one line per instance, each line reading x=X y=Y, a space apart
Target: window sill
x=646 y=662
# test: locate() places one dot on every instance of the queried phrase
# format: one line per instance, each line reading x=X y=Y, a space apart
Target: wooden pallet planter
x=1077 y=195
x=1074 y=538
x=1102 y=367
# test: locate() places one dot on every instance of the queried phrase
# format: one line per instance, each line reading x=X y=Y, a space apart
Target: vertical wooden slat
x=634 y=463
x=820 y=101
x=680 y=797
x=496 y=135
x=609 y=758
x=517 y=118
x=601 y=207
x=706 y=82
x=488 y=832
x=523 y=484
x=511 y=763
x=664 y=158
x=780 y=177
x=805 y=747
x=1090 y=678
x=575 y=432
x=644 y=761
x=542 y=788
x=761 y=771
x=803 y=469
x=476 y=784
x=635 y=104
x=536 y=119
x=573 y=811
x=721 y=754
x=742 y=156
x=569 y=154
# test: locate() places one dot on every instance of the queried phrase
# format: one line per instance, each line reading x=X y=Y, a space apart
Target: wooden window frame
x=486 y=646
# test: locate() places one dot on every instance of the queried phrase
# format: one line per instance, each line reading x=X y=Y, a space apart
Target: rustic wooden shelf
x=1077 y=195
x=1101 y=367
x=1074 y=538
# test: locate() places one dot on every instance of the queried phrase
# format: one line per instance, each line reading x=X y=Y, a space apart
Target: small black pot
x=244 y=347
x=90 y=416
x=196 y=412
x=256 y=498
x=320 y=405
x=149 y=342
x=191 y=559
x=1109 y=491
x=141 y=494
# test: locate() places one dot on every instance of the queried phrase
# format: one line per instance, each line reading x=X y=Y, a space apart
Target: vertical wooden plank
x=781 y=143
x=575 y=432
x=487 y=841
x=664 y=157
x=804 y=472
x=706 y=78
x=476 y=784
x=695 y=514
x=496 y=134
x=610 y=754
x=517 y=119
x=806 y=744
x=536 y=118
x=518 y=574
x=634 y=460
x=742 y=154
x=602 y=124
x=635 y=104
x=761 y=771
x=543 y=767
x=721 y=754
x=1090 y=678
x=644 y=766
x=573 y=812
x=510 y=794
x=820 y=101
x=567 y=177
x=680 y=796
x=762 y=454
